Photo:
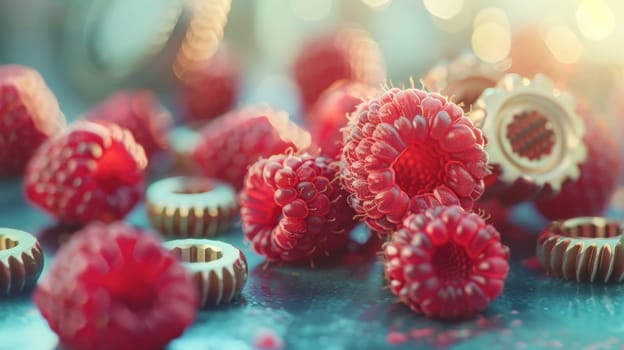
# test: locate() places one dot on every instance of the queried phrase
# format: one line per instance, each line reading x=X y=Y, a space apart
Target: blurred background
x=576 y=42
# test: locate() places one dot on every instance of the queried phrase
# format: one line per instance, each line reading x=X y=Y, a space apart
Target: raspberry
x=329 y=114
x=212 y=90
x=591 y=193
x=139 y=112
x=292 y=207
x=91 y=172
x=348 y=53
x=114 y=287
x=29 y=114
x=446 y=263
x=231 y=143
x=406 y=144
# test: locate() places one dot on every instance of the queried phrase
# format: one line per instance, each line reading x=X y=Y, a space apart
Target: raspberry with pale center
x=293 y=207
x=91 y=172
x=405 y=147
x=115 y=287
x=446 y=263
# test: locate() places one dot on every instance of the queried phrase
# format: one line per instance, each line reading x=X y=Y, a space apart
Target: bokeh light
x=595 y=19
x=445 y=9
x=564 y=44
x=491 y=38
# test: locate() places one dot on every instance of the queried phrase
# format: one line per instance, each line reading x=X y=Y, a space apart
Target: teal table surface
x=344 y=305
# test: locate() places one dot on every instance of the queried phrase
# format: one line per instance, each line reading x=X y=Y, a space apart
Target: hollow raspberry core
x=195 y=254
x=113 y=166
x=451 y=263
x=531 y=135
x=419 y=169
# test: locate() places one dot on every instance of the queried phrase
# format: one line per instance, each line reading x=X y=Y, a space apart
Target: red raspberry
x=91 y=172
x=591 y=193
x=212 y=90
x=114 y=287
x=446 y=263
x=139 y=112
x=406 y=144
x=292 y=207
x=348 y=53
x=29 y=114
x=231 y=143
x=329 y=114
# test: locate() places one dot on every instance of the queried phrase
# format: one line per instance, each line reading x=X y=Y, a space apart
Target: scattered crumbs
x=266 y=339
x=421 y=332
x=482 y=321
x=396 y=338
x=521 y=345
x=607 y=344
x=515 y=312
x=532 y=264
x=516 y=322
x=554 y=344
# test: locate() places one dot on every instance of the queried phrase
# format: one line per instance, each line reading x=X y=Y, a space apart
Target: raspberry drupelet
x=407 y=150
x=115 y=287
x=293 y=208
x=91 y=172
x=446 y=263
x=29 y=114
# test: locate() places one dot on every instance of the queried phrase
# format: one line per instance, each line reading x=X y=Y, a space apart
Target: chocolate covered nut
x=21 y=261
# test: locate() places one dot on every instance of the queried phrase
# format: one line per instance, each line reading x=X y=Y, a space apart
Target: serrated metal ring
x=583 y=249
x=533 y=131
x=218 y=269
x=190 y=206
x=21 y=261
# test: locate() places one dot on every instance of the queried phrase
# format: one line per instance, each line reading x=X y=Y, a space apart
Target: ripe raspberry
x=292 y=207
x=29 y=114
x=212 y=90
x=591 y=193
x=348 y=53
x=114 y=287
x=230 y=144
x=329 y=114
x=91 y=172
x=446 y=263
x=406 y=144
x=139 y=112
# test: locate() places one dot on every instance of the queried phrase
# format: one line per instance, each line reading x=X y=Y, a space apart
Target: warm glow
x=491 y=42
x=316 y=10
x=491 y=15
x=444 y=9
x=376 y=3
x=564 y=44
x=595 y=19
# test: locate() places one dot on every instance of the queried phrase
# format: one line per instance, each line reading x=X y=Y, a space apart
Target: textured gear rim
x=21 y=261
x=219 y=270
x=464 y=67
x=190 y=206
x=495 y=110
x=583 y=249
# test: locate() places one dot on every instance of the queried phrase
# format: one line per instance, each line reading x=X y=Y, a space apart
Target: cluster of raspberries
x=406 y=162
